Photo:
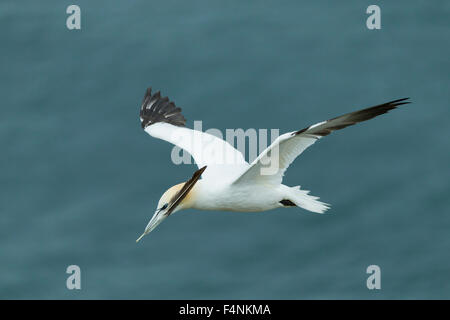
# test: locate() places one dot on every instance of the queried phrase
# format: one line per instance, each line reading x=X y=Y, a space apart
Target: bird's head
x=176 y=198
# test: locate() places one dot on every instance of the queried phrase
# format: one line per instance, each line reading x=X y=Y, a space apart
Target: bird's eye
x=164 y=207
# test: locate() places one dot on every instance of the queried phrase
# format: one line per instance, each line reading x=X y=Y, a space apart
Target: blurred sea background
x=80 y=179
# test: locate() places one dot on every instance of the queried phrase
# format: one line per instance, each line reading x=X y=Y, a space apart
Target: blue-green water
x=80 y=178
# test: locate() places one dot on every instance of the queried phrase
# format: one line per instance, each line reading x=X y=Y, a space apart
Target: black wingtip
x=399 y=102
x=200 y=171
x=155 y=109
x=352 y=118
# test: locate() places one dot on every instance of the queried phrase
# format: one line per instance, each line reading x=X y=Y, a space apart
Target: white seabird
x=229 y=182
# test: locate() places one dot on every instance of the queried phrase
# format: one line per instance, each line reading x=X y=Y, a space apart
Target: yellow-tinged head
x=171 y=195
x=178 y=197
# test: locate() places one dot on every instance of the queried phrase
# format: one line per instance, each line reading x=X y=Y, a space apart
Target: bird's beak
x=157 y=218
x=142 y=235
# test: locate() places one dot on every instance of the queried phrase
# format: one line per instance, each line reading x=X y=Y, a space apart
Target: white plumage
x=228 y=181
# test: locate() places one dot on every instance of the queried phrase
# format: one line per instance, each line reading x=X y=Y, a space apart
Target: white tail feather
x=307 y=202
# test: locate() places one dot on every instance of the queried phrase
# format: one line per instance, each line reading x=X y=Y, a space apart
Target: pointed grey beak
x=157 y=218
x=142 y=235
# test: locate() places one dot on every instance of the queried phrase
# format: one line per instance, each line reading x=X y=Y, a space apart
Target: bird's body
x=243 y=198
x=229 y=183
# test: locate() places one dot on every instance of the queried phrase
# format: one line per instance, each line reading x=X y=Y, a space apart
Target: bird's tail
x=301 y=198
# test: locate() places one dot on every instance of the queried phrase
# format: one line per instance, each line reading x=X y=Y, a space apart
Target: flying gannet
x=229 y=182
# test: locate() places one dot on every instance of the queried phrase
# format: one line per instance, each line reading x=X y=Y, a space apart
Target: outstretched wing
x=163 y=120
x=270 y=166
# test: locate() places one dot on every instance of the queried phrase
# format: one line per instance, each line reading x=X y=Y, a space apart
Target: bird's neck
x=191 y=198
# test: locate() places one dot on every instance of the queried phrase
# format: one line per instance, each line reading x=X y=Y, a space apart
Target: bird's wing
x=163 y=120
x=270 y=166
